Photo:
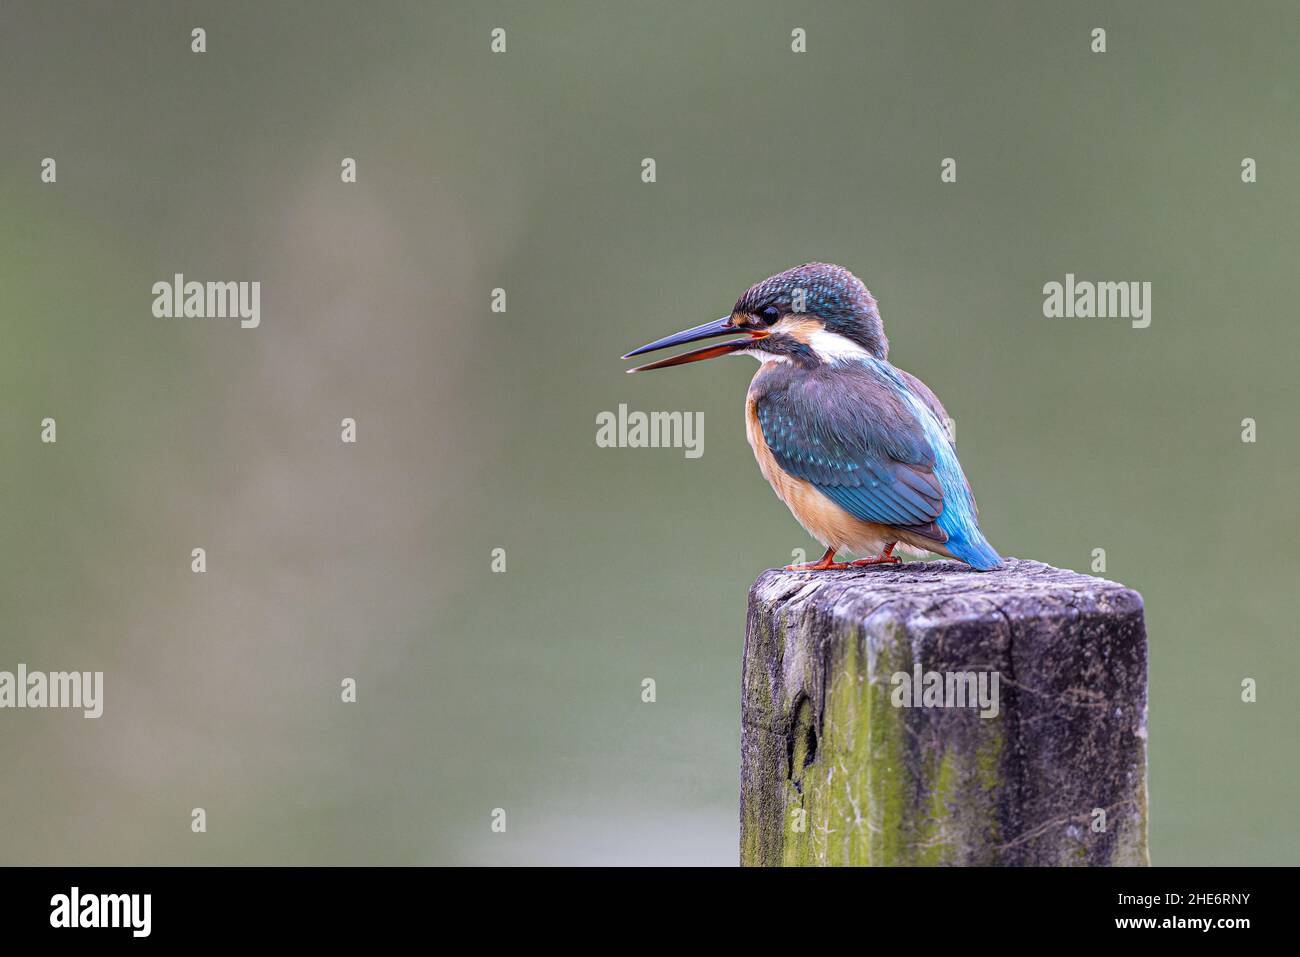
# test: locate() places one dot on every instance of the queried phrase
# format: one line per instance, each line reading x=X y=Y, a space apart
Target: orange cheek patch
x=799 y=329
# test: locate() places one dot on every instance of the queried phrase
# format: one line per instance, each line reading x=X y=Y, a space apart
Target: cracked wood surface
x=834 y=771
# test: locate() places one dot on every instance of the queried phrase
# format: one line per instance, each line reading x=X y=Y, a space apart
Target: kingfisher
x=859 y=450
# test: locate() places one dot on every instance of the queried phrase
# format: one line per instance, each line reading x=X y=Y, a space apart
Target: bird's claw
x=877 y=560
x=822 y=566
x=827 y=562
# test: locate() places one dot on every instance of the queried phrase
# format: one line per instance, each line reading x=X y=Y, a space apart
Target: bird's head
x=813 y=314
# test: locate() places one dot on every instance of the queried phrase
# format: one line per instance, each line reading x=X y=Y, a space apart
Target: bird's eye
x=769 y=314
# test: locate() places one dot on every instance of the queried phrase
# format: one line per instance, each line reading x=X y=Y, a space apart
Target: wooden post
x=844 y=761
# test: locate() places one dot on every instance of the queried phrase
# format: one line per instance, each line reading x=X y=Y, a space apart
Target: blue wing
x=852 y=432
x=868 y=437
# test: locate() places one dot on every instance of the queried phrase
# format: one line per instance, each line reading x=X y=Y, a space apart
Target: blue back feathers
x=862 y=437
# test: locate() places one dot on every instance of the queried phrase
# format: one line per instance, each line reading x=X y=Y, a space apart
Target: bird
x=860 y=451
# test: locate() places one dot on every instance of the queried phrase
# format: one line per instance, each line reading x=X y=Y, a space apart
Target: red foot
x=887 y=557
x=826 y=563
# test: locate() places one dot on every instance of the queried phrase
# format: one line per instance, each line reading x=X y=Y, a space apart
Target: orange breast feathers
x=822 y=518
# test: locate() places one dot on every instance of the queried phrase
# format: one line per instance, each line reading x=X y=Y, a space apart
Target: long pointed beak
x=709 y=330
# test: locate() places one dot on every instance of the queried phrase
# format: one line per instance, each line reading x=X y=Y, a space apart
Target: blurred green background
x=477 y=430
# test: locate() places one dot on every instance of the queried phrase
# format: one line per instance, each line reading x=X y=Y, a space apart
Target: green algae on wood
x=834 y=772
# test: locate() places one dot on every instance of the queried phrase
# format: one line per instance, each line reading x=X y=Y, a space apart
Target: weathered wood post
x=853 y=753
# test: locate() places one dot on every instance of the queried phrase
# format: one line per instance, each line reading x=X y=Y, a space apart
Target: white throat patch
x=763 y=357
x=833 y=347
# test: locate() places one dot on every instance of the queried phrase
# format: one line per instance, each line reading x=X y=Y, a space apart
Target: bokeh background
x=477 y=430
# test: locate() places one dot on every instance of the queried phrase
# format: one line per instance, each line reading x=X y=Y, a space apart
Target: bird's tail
x=975 y=551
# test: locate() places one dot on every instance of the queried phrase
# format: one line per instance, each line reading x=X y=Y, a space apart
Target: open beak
x=710 y=330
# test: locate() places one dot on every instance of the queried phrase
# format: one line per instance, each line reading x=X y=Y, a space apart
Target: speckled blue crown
x=831 y=293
